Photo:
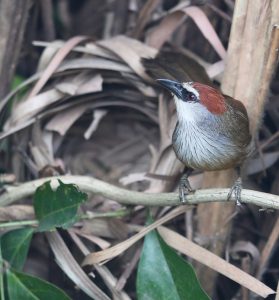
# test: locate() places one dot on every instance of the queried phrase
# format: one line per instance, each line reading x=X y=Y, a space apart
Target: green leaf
x=57 y=208
x=163 y=274
x=15 y=245
x=16 y=81
x=25 y=287
x=2 y=292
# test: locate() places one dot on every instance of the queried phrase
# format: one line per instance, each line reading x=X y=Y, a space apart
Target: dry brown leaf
x=71 y=268
x=16 y=213
x=83 y=83
x=96 y=104
x=105 y=227
x=201 y=20
x=131 y=51
x=92 y=84
x=108 y=254
x=268 y=248
x=177 y=15
x=245 y=247
x=145 y=89
x=259 y=164
x=61 y=122
x=48 y=54
x=41 y=148
x=29 y=108
x=103 y=244
x=7 y=178
x=98 y=115
x=55 y=62
x=94 y=63
x=134 y=177
x=215 y=70
x=33 y=106
x=88 y=48
x=67 y=88
x=104 y=272
x=73 y=64
x=144 y=16
x=185 y=246
x=162 y=33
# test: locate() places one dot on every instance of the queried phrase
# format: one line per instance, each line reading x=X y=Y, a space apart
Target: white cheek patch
x=189 y=111
x=189 y=88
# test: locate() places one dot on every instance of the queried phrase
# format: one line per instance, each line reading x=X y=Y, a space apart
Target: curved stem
x=124 y=196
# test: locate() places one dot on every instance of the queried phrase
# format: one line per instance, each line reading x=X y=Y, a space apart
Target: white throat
x=190 y=111
x=197 y=141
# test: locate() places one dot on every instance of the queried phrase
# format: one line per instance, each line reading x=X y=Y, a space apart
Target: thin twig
x=124 y=196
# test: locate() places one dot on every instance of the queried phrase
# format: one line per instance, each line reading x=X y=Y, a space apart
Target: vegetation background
x=76 y=99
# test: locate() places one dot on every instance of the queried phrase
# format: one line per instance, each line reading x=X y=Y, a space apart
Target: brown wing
x=240 y=122
x=175 y=66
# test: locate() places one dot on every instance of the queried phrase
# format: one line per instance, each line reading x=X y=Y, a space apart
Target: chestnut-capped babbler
x=212 y=131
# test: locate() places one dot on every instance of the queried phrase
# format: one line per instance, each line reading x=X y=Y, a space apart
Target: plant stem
x=19 y=223
x=128 y=197
x=110 y=214
x=2 y=294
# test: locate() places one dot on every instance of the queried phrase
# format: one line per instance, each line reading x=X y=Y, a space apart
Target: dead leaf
x=98 y=115
x=61 y=122
x=55 y=62
x=164 y=30
x=260 y=164
x=71 y=268
x=185 y=246
x=131 y=51
x=110 y=253
x=16 y=213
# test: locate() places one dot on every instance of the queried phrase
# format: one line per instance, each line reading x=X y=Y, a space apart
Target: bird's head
x=194 y=100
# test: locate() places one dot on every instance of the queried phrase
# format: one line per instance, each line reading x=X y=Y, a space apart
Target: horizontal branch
x=124 y=196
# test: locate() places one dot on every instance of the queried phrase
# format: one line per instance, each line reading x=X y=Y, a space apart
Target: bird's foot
x=236 y=190
x=184 y=188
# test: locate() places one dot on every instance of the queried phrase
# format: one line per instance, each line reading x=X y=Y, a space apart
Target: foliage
x=163 y=274
x=90 y=107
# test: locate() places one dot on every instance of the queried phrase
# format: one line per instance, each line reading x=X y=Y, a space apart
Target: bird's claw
x=236 y=190
x=184 y=188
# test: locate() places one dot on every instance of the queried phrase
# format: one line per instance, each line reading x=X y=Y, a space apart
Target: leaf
x=15 y=245
x=170 y=23
x=131 y=51
x=57 y=208
x=29 y=108
x=55 y=62
x=163 y=274
x=25 y=287
x=260 y=164
x=61 y=122
x=72 y=269
x=211 y=260
x=16 y=212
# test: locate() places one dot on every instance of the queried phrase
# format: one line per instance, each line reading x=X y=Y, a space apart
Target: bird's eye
x=188 y=96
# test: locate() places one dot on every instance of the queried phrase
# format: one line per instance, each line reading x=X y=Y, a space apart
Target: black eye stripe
x=188 y=96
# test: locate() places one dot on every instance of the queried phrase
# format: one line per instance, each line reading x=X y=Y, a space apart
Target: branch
x=124 y=196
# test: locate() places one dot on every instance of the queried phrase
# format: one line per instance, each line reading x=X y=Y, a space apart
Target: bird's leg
x=236 y=188
x=184 y=186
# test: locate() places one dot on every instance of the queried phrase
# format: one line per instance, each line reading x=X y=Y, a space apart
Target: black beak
x=174 y=86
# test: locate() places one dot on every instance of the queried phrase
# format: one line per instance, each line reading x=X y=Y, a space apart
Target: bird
x=212 y=131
